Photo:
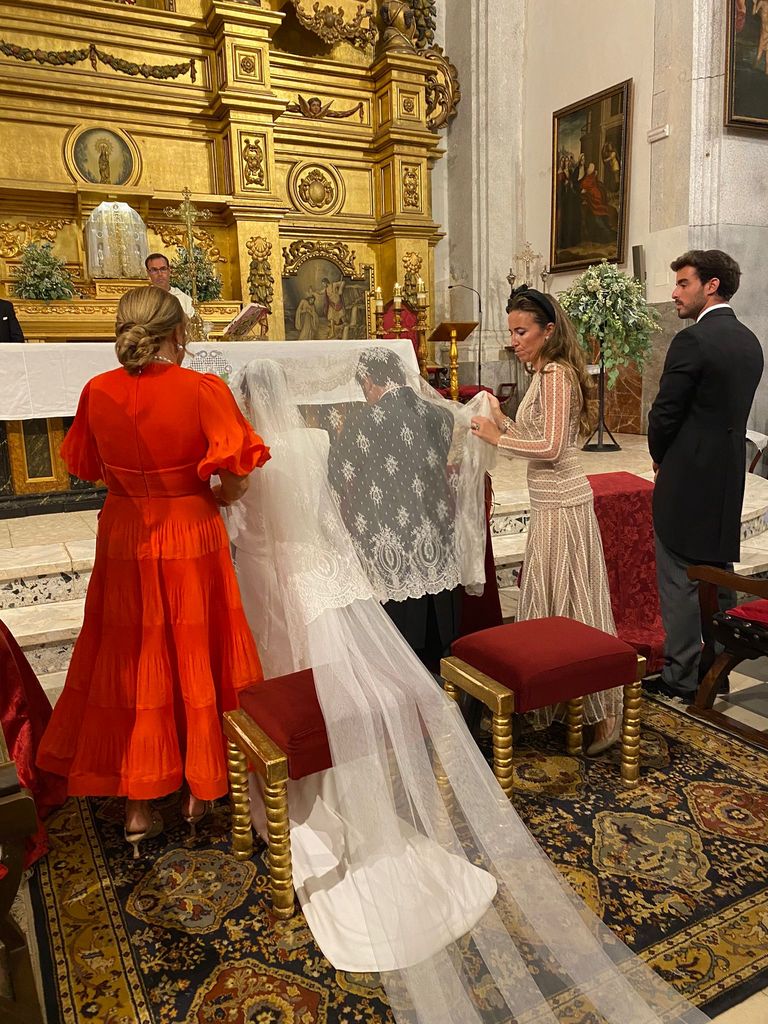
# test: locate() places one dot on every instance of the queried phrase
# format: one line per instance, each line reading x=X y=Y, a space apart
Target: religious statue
x=105 y=171
x=400 y=26
x=315 y=109
x=116 y=242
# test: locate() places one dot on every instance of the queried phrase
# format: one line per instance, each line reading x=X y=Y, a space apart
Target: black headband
x=537 y=297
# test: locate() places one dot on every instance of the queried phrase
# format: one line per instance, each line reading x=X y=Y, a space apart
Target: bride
x=408 y=860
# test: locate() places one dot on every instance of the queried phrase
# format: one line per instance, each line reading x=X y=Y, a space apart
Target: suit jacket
x=10 y=329
x=696 y=433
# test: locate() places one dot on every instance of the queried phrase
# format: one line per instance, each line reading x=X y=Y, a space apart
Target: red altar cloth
x=24 y=714
x=623 y=506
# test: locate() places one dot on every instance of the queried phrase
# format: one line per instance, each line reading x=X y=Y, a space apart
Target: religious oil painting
x=321 y=301
x=102 y=157
x=746 y=73
x=590 y=164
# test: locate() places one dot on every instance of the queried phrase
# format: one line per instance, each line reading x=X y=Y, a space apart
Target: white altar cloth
x=43 y=381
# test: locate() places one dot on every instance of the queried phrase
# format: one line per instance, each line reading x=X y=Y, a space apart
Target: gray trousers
x=681 y=615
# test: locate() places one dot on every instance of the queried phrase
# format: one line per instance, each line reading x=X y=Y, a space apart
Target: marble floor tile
x=42 y=624
x=752 y=1011
x=743 y=716
x=5 y=534
x=30 y=532
x=33 y=560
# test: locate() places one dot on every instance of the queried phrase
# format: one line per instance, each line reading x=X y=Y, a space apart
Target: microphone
x=468 y=288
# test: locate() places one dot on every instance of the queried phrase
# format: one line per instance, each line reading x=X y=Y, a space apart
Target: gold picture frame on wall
x=102 y=156
x=590 y=179
x=746 y=66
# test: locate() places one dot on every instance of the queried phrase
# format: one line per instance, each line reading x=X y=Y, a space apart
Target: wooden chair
x=522 y=666
x=743 y=633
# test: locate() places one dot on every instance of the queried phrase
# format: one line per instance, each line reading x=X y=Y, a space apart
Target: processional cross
x=189 y=214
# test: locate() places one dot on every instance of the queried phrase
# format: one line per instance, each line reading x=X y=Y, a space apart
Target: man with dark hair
x=10 y=329
x=159 y=274
x=389 y=467
x=697 y=439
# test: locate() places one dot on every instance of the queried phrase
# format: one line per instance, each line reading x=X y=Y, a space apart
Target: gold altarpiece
x=308 y=131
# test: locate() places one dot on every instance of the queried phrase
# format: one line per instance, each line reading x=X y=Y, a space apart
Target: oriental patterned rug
x=677 y=867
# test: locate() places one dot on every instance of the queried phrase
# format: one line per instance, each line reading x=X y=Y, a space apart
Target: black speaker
x=638 y=263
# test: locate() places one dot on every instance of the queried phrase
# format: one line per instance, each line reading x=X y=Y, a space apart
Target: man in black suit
x=696 y=436
x=10 y=329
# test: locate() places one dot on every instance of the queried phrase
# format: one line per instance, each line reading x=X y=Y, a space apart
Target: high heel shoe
x=135 y=838
x=193 y=820
x=598 y=747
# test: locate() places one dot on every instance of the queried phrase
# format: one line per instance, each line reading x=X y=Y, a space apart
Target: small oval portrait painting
x=101 y=156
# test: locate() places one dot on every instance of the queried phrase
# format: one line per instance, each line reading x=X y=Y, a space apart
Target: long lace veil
x=456 y=906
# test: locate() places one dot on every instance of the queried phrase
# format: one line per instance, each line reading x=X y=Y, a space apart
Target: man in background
x=697 y=440
x=10 y=329
x=159 y=274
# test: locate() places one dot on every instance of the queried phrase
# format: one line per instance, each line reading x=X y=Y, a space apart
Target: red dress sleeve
x=79 y=449
x=232 y=443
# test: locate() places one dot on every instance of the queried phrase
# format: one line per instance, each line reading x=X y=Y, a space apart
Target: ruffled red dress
x=165 y=646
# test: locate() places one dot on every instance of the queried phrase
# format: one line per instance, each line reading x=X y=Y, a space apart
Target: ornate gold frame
x=69 y=155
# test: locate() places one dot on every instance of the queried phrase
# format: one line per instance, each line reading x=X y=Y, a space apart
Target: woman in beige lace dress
x=564 y=570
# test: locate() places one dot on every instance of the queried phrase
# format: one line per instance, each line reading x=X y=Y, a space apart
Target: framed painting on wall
x=324 y=294
x=590 y=178
x=746 y=65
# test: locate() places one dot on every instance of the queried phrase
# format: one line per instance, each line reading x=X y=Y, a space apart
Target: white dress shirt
x=185 y=300
x=717 y=305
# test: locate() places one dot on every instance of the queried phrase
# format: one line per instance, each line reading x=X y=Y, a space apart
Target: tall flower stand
x=600 y=431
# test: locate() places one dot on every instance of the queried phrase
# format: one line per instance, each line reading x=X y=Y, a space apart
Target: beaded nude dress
x=564 y=569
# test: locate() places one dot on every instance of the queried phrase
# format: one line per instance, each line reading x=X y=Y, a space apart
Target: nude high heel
x=135 y=838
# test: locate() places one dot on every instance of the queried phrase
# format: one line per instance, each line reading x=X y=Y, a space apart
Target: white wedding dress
x=408 y=860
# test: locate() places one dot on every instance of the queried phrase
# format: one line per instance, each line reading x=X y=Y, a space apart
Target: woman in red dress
x=165 y=646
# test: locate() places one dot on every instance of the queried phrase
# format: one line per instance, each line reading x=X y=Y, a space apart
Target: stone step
x=46 y=633
x=45 y=573
x=52 y=684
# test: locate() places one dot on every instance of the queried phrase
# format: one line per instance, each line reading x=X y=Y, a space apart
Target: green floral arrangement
x=608 y=309
x=200 y=266
x=42 y=275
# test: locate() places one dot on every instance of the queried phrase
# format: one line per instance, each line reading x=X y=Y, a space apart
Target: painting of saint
x=746 y=76
x=102 y=157
x=589 y=186
x=322 y=303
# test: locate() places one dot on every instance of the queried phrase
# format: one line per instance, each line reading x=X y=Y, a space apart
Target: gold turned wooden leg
x=574 y=739
x=242 y=831
x=502 y=752
x=279 y=841
x=451 y=690
x=630 y=735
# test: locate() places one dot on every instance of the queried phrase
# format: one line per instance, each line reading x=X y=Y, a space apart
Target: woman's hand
x=485 y=429
x=497 y=415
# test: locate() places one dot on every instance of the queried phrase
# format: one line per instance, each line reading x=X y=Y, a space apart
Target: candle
x=421 y=293
x=379 y=301
x=397 y=289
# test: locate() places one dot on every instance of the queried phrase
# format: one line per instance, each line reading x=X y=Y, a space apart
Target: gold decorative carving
x=13 y=237
x=315 y=190
x=175 y=235
x=253 y=161
x=399 y=27
x=298 y=252
x=443 y=91
x=59 y=58
x=316 y=110
x=425 y=14
x=261 y=282
x=409 y=104
x=247 y=65
x=333 y=25
x=412 y=264
x=411 y=197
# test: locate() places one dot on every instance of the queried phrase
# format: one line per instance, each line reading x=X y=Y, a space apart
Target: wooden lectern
x=453 y=332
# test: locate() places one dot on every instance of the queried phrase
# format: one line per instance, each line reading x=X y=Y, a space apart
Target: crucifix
x=528 y=258
x=187 y=212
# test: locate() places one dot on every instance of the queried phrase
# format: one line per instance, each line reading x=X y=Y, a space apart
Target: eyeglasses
x=158 y=270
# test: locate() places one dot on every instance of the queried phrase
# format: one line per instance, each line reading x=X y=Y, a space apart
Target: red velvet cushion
x=287 y=709
x=753 y=611
x=545 y=661
x=467 y=391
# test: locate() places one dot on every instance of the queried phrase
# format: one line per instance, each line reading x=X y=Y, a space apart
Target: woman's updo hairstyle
x=145 y=318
